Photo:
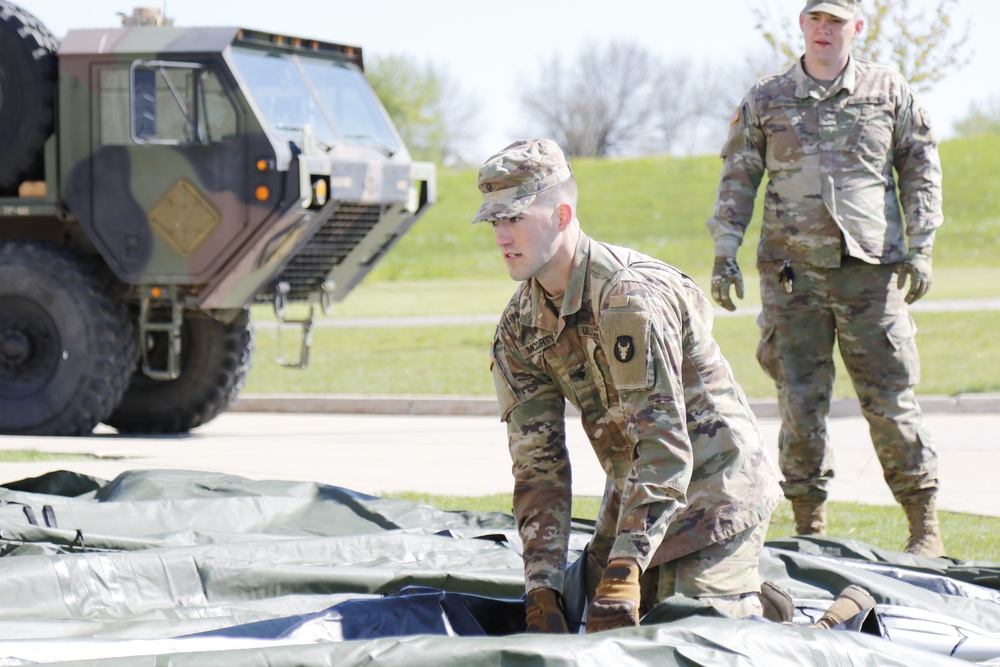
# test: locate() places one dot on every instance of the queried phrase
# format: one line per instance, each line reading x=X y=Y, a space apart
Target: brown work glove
x=917 y=266
x=543 y=612
x=725 y=273
x=616 y=602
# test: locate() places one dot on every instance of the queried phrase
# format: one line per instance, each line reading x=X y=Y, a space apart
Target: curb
x=486 y=406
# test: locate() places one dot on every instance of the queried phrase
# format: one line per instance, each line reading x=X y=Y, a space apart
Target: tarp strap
x=48 y=513
x=30 y=515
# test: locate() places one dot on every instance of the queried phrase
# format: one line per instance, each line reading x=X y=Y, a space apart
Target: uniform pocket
x=505 y=394
x=767 y=353
x=871 y=123
x=788 y=131
x=901 y=332
x=902 y=336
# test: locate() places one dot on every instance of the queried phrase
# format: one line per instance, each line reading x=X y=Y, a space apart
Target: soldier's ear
x=565 y=213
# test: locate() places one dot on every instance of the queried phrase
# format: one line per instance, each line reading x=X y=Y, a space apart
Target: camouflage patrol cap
x=510 y=179
x=842 y=9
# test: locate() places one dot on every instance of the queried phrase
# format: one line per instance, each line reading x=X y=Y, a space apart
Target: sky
x=489 y=49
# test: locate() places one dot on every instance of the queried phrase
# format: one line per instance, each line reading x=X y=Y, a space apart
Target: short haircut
x=567 y=191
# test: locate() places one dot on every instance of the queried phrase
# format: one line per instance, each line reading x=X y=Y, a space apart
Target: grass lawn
x=968 y=537
x=447 y=266
x=958 y=355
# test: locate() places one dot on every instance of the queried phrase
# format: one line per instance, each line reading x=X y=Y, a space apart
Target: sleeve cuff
x=626 y=546
x=727 y=245
x=923 y=242
x=534 y=582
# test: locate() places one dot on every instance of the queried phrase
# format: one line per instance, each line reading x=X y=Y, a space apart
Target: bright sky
x=488 y=47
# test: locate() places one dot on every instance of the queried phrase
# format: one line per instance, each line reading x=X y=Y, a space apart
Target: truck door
x=167 y=170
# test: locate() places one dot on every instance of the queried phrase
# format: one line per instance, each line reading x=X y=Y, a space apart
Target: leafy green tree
x=430 y=111
x=982 y=118
x=897 y=32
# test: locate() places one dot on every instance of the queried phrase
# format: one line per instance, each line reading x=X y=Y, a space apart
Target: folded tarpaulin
x=204 y=569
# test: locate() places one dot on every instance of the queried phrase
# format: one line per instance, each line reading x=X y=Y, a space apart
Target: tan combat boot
x=852 y=601
x=776 y=603
x=810 y=515
x=925 y=531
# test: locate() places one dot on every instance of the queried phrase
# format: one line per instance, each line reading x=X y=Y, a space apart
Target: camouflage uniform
x=831 y=242
x=632 y=350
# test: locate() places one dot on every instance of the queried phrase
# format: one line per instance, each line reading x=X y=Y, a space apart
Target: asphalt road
x=466 y=454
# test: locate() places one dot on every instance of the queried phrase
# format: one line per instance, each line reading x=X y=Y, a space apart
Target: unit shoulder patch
x=626 y=338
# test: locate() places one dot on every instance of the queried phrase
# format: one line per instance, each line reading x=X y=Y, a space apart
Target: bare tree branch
x=600 y=106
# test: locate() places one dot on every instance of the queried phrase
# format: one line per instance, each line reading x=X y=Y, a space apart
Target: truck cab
x=204 y=169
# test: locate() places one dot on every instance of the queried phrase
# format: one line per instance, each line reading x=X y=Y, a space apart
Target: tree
x=896 y=33
x=602 y=105
x=982 y=118
x=695 y=102
x=430 y=111
x=621 y=99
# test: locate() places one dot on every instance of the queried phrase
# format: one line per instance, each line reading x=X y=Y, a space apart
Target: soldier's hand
x=726 y=273
x=917 y=266
x=616 y=603
x=543 y=612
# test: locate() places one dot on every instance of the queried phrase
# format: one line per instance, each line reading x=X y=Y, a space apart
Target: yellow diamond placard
x=184 y=218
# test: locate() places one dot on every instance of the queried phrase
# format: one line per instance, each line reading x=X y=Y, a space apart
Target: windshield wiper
x=372 y=142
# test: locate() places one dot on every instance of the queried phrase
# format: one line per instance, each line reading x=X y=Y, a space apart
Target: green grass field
x=446 y=266
x=659 y=206
x=958 y=355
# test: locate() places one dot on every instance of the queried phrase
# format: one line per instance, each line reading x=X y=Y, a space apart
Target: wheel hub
x=30 y=351
x=14 y=348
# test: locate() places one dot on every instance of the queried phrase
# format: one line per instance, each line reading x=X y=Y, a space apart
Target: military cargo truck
x=155 y=182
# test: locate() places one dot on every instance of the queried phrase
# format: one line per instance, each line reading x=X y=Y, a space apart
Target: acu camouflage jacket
x=633 y=351
x=829 y=158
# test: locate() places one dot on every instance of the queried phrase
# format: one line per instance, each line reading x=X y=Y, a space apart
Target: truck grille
x=331 y=244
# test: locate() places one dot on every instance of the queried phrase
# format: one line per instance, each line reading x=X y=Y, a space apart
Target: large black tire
x=215 y=361
x=27 y=94
x=67 y=346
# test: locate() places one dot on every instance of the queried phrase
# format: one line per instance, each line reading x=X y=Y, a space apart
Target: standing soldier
x=830 y=131
x=628 y=341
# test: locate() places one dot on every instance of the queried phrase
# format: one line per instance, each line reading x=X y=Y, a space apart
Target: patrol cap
x=842 y=9
x=510 y=179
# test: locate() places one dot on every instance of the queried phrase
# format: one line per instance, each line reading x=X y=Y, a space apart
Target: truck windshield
x=331 y=97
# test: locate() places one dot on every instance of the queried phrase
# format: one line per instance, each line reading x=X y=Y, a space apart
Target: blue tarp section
x=172 y=567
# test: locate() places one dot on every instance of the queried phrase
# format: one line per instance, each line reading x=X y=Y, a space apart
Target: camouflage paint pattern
x=859 y=306
x=191 y=214
x=633 y=351
x=829 y=158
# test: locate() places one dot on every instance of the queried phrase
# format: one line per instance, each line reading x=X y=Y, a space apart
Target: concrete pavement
x=457 y=446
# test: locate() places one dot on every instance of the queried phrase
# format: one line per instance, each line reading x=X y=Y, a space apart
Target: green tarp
x=170 y=567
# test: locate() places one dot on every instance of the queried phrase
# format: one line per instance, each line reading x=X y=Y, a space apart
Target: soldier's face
x=528 y=242
x=828 y=38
